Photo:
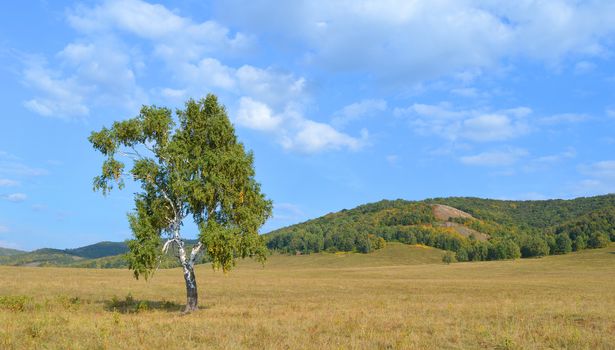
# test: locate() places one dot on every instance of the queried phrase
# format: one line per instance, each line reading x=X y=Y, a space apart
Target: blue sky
x=342 y=102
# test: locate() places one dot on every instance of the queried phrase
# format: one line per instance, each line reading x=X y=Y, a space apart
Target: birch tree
x=190 y=166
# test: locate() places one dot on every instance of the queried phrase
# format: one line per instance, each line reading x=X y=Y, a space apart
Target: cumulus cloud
x=256 y=115
x=98 y=73
x=473 y=125
x=172 y=34
x=387 y=38
x=495 y=158
x=102 y=68
x=312 y=137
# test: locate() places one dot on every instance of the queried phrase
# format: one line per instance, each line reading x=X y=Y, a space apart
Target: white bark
x=195 y=253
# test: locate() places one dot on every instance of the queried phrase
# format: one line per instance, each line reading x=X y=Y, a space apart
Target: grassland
x=398 y=298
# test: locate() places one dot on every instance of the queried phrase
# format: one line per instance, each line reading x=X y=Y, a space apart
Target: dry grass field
x=399 y=298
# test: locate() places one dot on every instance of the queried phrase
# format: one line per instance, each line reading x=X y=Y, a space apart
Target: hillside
x=474 y=228
x=99 y=250
x=9 y=251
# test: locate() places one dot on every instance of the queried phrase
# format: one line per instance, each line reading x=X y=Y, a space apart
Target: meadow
x=400 y=297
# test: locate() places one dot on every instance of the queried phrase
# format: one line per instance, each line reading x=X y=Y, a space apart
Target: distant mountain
x=99 y=255
x=9 y=251
x=473 y=228
x=99 y=250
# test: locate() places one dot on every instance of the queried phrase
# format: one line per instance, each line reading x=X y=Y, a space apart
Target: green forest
x=514 y=229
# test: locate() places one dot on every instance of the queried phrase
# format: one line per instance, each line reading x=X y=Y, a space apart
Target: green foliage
x=529 y=228
x=563 y=244
x=579 y=243
x=448 y=257
x=534 y=246
x=502 y=249
x=15 y=303
x=191 y=165
x=598 y=240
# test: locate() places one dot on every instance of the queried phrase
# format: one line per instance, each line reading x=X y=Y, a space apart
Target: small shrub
x=448 y=257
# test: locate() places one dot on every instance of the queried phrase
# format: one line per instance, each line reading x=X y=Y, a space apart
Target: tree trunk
x=192 y=296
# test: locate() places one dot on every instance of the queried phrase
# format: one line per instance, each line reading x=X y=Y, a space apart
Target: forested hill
x=480 y=229
x=537 y=214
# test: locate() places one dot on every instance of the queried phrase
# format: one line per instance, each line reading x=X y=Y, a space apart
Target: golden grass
x=323 y=301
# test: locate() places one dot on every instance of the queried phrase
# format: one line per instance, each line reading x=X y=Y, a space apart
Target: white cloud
x=15 y=197
x=102 y=68
x=358 y=110
x=100 y=72
x=312 y=137
x=256 y=115
x=172 y=34
x=472 y=125
x=610 y=113
x=387 y=38
x=495 y=158
x=8 y=183
x=60 y=96
x=274 y=87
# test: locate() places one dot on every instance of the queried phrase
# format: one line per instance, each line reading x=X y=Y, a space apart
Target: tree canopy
x=188 y=166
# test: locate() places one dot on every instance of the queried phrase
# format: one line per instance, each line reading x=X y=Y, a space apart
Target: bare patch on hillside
x=444 y=212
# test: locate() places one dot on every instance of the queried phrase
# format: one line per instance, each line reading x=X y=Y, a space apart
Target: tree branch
x=195 y=252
